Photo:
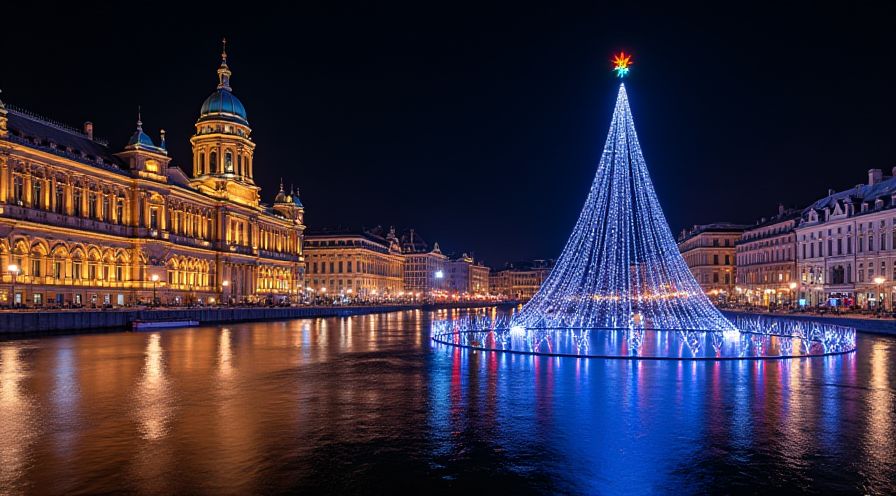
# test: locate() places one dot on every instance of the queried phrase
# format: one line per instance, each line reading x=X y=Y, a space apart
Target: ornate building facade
x=766 y=261
x=521 y=280
x=363 y=264
x=424 y=267
x=846 y=246
x=709 y=252
x=466 y=276
x=83 y=225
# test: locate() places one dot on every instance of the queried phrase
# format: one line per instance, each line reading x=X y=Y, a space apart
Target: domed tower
x=289 y=206
x=222 y=147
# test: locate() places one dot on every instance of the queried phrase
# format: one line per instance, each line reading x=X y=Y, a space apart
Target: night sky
x=482 y=126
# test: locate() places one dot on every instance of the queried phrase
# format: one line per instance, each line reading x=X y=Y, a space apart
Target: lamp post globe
x=14 y=270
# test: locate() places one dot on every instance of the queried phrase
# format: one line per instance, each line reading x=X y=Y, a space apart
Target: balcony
x=65 y=221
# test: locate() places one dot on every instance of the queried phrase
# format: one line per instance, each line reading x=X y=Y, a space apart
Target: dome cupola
x=222 y=104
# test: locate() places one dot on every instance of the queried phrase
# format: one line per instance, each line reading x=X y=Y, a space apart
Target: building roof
x=411 y=242
x=859 y=193
x=529 y=265
x=223 y=105
x=42 y=134
x=715 y=227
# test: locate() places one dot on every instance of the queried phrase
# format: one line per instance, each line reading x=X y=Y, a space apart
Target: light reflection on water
x=369 y=404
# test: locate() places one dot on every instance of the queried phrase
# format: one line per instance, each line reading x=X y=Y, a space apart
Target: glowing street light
x=14 y=270
x=224 y=284
x=155 y=279
x=879 y=281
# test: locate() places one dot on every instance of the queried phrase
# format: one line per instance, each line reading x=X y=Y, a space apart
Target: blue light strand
x=621 y=268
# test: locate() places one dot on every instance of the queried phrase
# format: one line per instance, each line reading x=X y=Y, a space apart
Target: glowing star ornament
x=621 y=64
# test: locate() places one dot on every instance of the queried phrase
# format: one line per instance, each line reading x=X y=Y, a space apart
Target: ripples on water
x=369 y=404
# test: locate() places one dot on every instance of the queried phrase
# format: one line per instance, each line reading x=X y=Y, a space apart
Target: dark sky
x=482 y=126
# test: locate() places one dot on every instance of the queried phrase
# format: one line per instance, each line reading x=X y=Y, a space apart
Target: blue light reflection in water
x=370 y=404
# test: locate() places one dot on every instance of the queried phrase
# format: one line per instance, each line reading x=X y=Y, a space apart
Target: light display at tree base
x=754 y=338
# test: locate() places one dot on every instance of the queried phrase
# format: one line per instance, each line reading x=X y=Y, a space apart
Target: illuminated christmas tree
x=621 y=268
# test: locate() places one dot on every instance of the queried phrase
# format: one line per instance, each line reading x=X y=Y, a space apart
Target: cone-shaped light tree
x=621 y=268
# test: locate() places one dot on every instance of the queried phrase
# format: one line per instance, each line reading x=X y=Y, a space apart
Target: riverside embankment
x=28 y=322
x=861 y=324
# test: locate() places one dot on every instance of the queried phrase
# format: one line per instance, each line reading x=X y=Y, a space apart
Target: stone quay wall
x=49 y=321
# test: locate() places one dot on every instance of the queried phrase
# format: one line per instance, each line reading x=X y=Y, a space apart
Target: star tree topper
x=621 y=64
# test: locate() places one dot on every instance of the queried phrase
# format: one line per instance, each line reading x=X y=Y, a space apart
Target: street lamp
x=880 y=302
x=155 y=280
x=792 y=287
x=14 y=270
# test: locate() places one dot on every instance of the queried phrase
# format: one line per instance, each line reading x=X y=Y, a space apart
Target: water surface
x=369 y=404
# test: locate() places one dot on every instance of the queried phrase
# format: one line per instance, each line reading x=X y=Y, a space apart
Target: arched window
x=202 y=169
x=213 y=162
x=239 y=165
x=228 y=163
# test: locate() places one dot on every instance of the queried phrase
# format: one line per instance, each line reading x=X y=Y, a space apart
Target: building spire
x=224 y=71
x=139 y=119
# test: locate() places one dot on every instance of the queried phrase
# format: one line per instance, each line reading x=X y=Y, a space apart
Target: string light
x=621 y=268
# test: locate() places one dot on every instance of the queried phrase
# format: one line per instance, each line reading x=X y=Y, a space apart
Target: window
x=59 y=206
x=76 y=202
x=119 y=211
x=239 y=165
x=91 y=271
x=38 y=298
x=91 y=205
x=57 y=269
x=870 y=242
x=202 y=166
x=213 y=161
x=839 y=246
x=849 y=246
x=105 y=208
x=18 y=189
x=37 y=199
x=154 y=218
x=76 y=270
x=715 y=261
x=340 y=267
x=727 y=260
x=35 y=267
x=119 y=273
x=228 y=163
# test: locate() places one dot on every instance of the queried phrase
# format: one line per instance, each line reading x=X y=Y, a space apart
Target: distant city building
x=766 y=260
x=424 y=266
x=363 y=263
x=465 y=275
x=846 y=245
x=709 y=251
x=520 y=280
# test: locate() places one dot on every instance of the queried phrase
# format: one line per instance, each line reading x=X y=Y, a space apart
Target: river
x=368 y=404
